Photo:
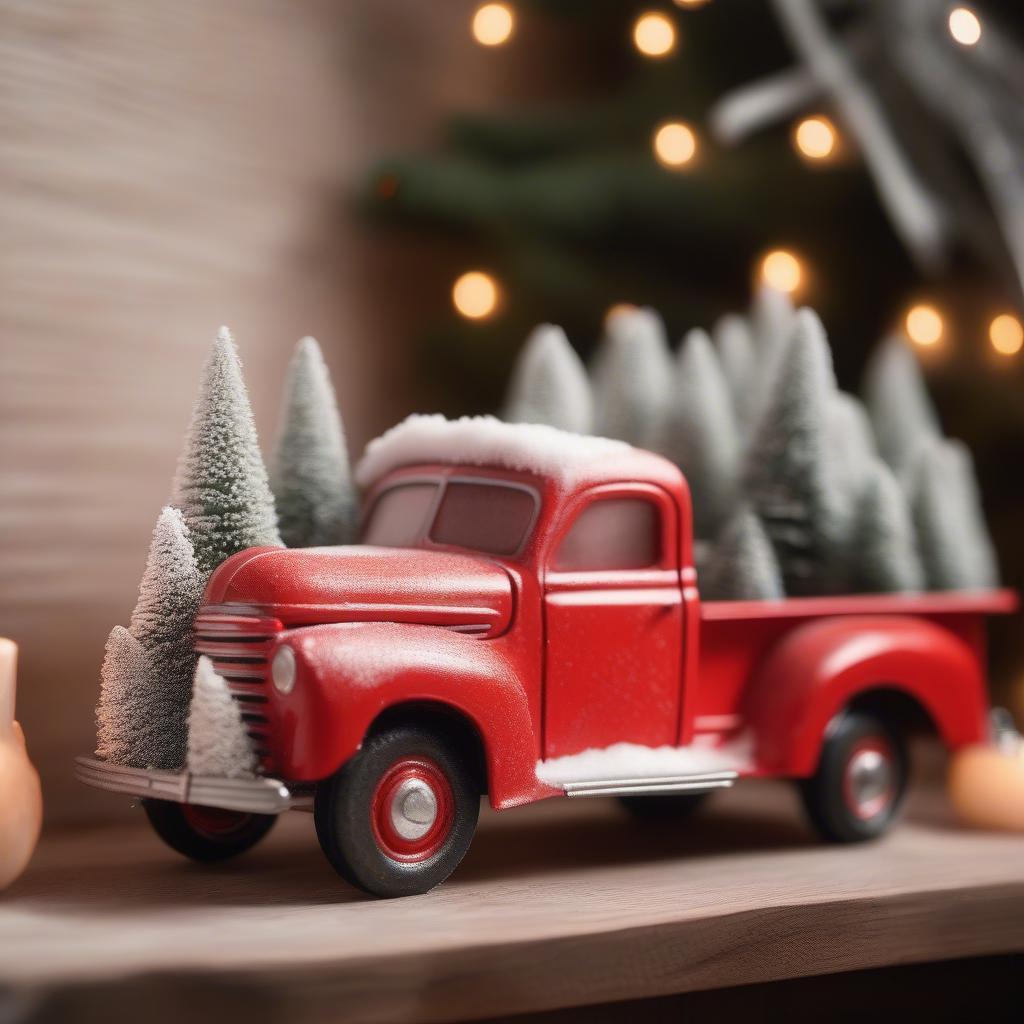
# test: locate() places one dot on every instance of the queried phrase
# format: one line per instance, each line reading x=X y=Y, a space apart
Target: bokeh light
x=924 y=325
x=475 y=295
x=815 y=138
x=781 y=269
x=674 y=144
x=654 y=35
x=964 y=26
x=1006 y=334
x=493 y=24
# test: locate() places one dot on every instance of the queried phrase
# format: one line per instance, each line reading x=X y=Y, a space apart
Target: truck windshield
x=483 y=516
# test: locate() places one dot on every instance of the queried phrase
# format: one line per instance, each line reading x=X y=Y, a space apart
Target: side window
x=613 y=533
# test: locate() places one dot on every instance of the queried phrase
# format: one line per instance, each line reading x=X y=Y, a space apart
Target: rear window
x=484 y=517
x=399 y=517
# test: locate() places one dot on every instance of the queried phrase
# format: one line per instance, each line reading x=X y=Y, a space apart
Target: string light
x=654 y=35
x=1006 y=334
x=964 y=26
x=674 y=144
x=924 y=325
x=475 y=295
x=493 y=24
x=617 y=309
x=781 y=269
x=815 y=138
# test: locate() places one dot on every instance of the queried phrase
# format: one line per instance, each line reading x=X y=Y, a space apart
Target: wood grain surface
x=558 y=905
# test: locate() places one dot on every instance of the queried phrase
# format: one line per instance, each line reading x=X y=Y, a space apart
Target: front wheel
x=400 y=815
x=858 y=789
x=206 y=833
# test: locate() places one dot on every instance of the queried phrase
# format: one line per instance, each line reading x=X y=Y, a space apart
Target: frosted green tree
x=789 y=477
x=701 y=434
x=885 y=557
x=742 y=565
x=955 y=550
x=218 y=744
x=310 y=473
x=897 y=398
x=122 y=731
x=549 y=384
x=169 y=597
x=633 y=378
x=221 y=484
x=734 y=344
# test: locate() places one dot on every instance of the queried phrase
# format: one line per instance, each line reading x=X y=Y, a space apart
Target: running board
x=702 y=783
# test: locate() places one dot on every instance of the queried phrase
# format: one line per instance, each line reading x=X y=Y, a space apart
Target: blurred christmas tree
x=879 y=144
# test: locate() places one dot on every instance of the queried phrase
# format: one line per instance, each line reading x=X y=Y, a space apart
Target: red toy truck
x=524 y=621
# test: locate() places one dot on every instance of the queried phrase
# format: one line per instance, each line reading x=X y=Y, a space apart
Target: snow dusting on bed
x=486 y=441
x=632 y=761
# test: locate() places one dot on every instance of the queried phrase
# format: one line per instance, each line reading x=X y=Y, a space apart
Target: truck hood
x=303 y=586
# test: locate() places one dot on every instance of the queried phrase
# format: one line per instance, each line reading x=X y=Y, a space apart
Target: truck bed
x=735 y=637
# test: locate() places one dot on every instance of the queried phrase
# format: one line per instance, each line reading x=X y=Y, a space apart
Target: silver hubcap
x=870 y=780
x=413 y=809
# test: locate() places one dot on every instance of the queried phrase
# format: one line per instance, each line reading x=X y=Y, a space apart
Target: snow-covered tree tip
x=218 y=744
x=221 y=483
x=311 y=477
x=633 y=378
x=550 y=384
x=121 y=728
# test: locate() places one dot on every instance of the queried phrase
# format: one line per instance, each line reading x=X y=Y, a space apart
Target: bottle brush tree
x=742 y=565
x=218 y=744
x=221 y=484
x=885 y=557
x=123 y=734
x=311 y=478
x=789 y=478
x=734 y=344
x=633 y=378
x=701 y=434
x=549 y=384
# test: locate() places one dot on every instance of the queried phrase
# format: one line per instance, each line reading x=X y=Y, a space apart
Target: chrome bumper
x=255 y=796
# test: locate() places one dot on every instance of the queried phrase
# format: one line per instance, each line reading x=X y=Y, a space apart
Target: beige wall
x=166 y=167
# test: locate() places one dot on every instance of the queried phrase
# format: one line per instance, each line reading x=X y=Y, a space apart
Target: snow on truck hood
x=368 y=584
x=486 y=441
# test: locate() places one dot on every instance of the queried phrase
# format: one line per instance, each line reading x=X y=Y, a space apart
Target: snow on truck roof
x=487 y=441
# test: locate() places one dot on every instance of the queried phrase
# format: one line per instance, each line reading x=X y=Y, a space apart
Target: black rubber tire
x=172 y=824
x=669 y=807
x=823 y=793
x=343 y=812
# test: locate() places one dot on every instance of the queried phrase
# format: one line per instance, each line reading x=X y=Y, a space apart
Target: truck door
x=613 y=623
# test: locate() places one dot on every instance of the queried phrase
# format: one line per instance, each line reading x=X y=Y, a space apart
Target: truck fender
x=349 y=674
x=820 y=668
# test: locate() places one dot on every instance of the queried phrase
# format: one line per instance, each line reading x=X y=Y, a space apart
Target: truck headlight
x=282 y=670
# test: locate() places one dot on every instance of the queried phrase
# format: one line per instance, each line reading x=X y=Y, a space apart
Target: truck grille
x=239 y=647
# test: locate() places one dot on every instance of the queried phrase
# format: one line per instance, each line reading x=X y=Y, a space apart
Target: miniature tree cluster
x=798 y=488
x=157 y=708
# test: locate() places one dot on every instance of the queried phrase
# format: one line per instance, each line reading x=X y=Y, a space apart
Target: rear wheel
x=206 y=833
x=858 y=789
x=400 y=815
x=668 y=807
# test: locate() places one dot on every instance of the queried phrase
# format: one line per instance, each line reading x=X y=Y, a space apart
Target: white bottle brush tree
x=549 y=384
x=224 y=505
x=218 y=744
x=310 y=472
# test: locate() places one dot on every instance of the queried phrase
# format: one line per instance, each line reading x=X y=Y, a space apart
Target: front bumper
x=257 y=795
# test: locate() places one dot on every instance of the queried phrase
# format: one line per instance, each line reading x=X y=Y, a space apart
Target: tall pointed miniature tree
x=742 y=566
x=633 y=379
x=221 y=485
x=851 y=446
x=169 y=597
x=310 y=473
x=772 y=318
x=549 y=384
x=885 y=546
x=734 y=344
x=701 y=434
x=789 y=476
x=954 y=546
x=897 y=398
x=218 y=744
x=122 y=733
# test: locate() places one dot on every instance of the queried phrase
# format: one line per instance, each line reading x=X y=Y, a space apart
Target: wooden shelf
x=563 y=904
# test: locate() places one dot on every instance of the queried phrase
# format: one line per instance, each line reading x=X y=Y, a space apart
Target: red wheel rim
x=214 y=822
x=412 y=810
x=869 y=778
